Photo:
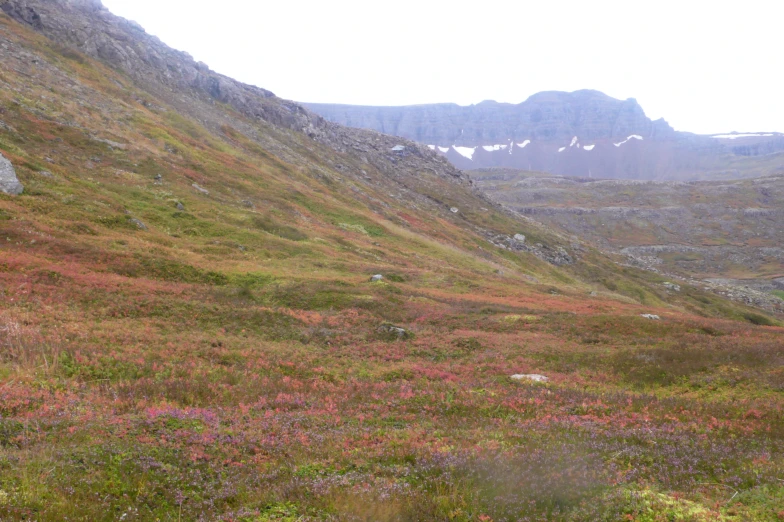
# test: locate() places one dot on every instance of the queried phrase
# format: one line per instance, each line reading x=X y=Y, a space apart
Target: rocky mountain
x=583 y=133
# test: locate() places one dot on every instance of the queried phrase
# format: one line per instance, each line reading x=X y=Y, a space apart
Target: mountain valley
x=219 y=305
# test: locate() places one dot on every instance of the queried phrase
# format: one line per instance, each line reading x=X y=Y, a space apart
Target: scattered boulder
x=454 y=210
x=672 y=286
x=110 y=143
x=9 y=183
x=376 y=278
x=535 y=377
x=201 y=189
x=398 y=148
x=779 y=283
x=180 y=206
x=391 y=331
x=651 y=316
x=520 y=238
x=138 y=223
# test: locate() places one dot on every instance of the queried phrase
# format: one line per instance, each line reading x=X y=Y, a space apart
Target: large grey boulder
x=9 y=184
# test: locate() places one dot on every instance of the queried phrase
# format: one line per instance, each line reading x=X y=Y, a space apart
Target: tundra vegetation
x=231 y=359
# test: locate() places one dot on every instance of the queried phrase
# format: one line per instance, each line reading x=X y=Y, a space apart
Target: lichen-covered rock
x=9 y=183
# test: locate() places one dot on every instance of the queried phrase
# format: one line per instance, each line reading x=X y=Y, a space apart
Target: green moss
x=759 y=319
x=168 y=270
x=269 y=224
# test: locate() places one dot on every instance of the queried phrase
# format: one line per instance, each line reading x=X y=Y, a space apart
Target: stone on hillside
x=394 y=332
x=180 y=206
x=398 y=148
x=376 y=278
x=672 y=286
x=9 y=183
x=519 y=238
x=779 y=283
x=201 y=189
x=454 y=210
x=651 y=316
x=535 y=377
x=138 y=223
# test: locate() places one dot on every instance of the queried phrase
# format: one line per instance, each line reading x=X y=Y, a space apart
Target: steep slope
x=583 y=133
x=188 y=329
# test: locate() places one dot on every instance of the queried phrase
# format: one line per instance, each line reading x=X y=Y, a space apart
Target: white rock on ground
x=200 y=189
x=376 y=278
x=529 y=377
x=650 y=316
x=9 y=183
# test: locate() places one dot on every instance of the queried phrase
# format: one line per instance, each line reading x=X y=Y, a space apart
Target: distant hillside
x=721 y=231
x=583 y=133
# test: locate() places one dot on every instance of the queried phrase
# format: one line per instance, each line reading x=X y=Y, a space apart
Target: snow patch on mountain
x=467 y=152
x=736 y=136
x=632 y=137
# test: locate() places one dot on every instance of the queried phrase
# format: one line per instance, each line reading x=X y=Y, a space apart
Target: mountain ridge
x=538 y=134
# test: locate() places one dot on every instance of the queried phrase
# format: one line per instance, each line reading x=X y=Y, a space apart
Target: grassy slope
x=227 y=362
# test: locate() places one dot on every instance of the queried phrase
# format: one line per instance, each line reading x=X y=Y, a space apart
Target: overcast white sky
x=705 y=66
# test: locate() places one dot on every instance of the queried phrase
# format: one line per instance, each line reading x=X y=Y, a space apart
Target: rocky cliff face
x=583 y=133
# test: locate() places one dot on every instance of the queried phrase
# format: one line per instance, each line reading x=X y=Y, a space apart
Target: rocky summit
x=584 y=133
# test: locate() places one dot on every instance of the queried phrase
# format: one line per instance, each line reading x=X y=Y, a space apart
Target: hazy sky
x=705 y=66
